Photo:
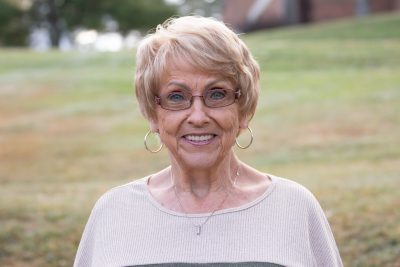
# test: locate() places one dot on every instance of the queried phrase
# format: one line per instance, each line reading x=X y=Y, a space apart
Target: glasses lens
x=175 y=100
x=219 y=97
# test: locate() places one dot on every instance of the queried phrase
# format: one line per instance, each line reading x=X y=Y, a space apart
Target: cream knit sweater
x=283 y=227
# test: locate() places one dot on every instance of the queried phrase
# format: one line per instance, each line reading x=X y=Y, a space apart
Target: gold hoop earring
x=251 y=140
x=147 y=147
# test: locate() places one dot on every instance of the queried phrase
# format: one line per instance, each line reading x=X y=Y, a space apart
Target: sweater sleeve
x=87 y=249
x=322 y=241
x=87 y=244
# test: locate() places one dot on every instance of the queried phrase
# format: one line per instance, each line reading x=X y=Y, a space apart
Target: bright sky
x=174 y=2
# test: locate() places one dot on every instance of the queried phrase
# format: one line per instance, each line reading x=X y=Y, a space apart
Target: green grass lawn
x=328 y=117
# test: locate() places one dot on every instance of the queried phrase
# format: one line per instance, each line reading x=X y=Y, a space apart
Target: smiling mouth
x=199 y=139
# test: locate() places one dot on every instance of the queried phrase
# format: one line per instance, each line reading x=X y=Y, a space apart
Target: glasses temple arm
x=238 y=93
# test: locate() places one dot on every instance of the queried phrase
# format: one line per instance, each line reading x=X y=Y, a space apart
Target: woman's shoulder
x=126 y=194
x=293 y=191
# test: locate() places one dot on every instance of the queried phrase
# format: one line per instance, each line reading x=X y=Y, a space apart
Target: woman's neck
x=200 y=183
x=192 y=191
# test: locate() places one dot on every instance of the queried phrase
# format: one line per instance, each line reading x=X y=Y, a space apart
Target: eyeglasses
x=183 y=99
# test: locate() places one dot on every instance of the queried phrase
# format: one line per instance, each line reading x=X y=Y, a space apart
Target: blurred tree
x=138 y=14
x=14 y=28
x=142 y=15
x=207 y=8
x=60 y=15
x=47 y=14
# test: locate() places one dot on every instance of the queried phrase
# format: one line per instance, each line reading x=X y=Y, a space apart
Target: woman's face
x=199 y=136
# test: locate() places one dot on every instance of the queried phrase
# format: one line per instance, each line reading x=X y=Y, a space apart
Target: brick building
x=247 y=15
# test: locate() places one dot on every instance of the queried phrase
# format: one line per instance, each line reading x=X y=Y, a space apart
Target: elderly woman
x=197 y=84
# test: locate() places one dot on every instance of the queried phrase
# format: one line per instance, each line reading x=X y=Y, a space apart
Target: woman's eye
x=217 y=94
x=176 y=97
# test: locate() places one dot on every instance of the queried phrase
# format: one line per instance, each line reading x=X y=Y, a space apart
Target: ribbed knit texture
x=285 y=226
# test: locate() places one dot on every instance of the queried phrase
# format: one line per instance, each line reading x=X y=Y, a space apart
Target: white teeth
x=199 y=138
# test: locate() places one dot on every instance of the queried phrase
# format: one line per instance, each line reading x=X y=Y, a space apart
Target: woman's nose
x=198 y=112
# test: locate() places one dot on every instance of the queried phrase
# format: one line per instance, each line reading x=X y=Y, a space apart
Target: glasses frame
x=237 y=94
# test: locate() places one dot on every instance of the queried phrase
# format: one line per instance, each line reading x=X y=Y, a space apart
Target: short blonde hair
x=205 y=43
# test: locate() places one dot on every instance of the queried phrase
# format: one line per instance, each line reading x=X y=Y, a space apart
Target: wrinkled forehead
x=180 y=75
x=180 y=66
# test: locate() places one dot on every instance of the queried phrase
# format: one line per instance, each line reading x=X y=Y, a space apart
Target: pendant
x=198 y=229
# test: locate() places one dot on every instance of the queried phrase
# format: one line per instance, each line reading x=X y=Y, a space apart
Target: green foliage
x=328 y=117
x=138 y=14
x=13 y=27
x=72 y=14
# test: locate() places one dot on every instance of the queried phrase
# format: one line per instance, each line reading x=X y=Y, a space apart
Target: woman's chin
x=198 y=160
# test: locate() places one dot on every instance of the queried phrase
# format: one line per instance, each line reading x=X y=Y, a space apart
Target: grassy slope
x=332 y=92
x=328 y=117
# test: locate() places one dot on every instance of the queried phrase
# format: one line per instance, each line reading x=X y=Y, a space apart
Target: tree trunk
x=55 y=24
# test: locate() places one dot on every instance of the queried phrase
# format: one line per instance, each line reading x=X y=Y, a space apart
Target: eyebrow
x=184 y=86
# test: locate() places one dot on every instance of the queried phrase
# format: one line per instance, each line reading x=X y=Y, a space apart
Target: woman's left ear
x=244 y=122
x=154 y=126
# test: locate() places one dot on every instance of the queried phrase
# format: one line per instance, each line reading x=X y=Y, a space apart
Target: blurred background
x=70 y=127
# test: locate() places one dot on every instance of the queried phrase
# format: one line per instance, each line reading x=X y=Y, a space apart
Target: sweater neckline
x=245 y=206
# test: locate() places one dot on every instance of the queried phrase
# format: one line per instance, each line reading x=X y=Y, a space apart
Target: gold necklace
x=199 y=227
